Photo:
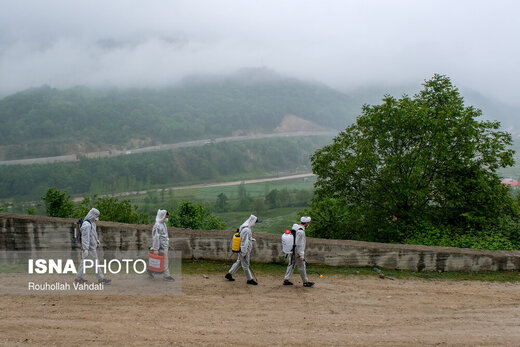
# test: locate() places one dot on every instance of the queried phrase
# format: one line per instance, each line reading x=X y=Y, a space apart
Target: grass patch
x=192 y=267
x=210 y=193
x=273 y=221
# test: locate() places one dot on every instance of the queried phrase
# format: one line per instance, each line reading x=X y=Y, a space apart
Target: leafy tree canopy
x=193 y=215
x=57 y=203
x=412 y=166
x=222 y=204
x=111 y=209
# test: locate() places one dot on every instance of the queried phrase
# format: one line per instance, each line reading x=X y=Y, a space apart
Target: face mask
x=165 y=220
x=97 y=218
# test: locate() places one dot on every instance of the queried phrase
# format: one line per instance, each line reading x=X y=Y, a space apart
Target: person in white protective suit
x=160 y=241
x=298 y=256
x=246 y=245
x=89 y=244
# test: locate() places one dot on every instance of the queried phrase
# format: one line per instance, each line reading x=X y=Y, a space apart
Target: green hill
x=47 y=121
x=218 y=162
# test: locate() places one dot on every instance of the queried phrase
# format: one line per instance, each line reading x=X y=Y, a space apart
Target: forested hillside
x=46 y=121
x=210 y=163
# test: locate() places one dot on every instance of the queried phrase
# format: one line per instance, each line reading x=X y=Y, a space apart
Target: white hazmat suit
x=246 y=245
x=298 y=258
x=89 y=243
x=160 y=239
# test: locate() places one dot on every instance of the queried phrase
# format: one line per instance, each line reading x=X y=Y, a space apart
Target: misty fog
x=344 y=44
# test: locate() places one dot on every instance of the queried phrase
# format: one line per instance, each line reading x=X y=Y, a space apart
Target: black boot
x=229 y=277
x=287 y=283
x=308 y=284
x=253 y=282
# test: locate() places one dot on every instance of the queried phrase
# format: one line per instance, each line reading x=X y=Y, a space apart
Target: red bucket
x=156 y=262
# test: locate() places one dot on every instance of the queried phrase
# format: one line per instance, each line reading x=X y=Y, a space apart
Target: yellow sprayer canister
x=236 y=243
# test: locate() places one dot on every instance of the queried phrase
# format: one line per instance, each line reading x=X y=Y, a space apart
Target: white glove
x=301 y=255
x=253 y=239
x=85 y=253
x=98 y=243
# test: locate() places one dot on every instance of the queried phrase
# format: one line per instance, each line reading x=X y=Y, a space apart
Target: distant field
x=254 y=189
x=210 y=193
x=273 y=220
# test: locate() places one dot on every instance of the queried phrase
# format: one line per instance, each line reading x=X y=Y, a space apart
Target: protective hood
x=92 y=214
x=297 y=227
x=161 y=214
x=250 y=222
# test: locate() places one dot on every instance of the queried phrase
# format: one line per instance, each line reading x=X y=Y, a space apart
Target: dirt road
x=339 y=310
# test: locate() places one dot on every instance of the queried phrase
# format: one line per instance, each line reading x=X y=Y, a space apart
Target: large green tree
x=194 y=215
x=112 y=209
x=411 y=166
x=58 y=203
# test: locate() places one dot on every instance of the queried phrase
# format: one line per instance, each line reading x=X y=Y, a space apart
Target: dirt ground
x=339 y=310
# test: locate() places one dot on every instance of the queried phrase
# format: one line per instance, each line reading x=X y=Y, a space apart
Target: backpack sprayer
x=236 y=242
x=76 y=237
x=289 y=245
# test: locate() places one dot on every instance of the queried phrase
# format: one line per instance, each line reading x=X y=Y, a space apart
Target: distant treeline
x=46 y=121
x=212 y=162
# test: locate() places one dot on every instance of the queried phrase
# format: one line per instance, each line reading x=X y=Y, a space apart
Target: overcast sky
x=344 y=44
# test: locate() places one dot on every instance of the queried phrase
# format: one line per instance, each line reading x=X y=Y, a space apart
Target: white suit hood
x=297 y=226
x=161 y=214
x=305 y=219
x=250 y=222
x=92 y=215
x=89 y=236
x=160 y=238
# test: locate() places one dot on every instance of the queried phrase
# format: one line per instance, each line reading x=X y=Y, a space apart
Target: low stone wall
x=26 y=232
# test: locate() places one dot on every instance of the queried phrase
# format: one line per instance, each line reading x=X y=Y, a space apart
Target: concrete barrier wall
x=25 y=232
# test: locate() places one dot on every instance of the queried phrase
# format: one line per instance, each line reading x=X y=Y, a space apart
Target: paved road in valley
x=195 y=143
